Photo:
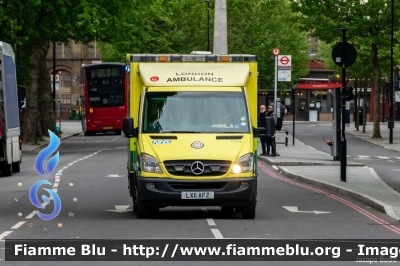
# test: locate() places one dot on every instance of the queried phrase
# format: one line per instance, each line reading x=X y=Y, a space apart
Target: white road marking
x=30 y=215
x=114 y=175
x=18 y=225
x=275 y=167
x=116 y=138
x=296 y=209
x=382 y=157
x=361 y=156
x=55 y=185
x=210 y=222
x=121 y=208
x=6 y=233
x=391 y=161
x=217 y=234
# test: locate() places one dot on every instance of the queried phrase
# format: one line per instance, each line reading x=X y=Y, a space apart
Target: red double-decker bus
x=104 y=97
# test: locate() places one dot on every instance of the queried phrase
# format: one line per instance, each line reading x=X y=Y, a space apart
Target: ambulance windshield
x=195 y=112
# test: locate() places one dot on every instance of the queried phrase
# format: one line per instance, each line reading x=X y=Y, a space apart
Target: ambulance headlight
x=149 y=164
x=244 y=164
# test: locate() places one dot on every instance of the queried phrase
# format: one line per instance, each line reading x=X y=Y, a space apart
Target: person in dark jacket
x=271 y=145
x=262 y=122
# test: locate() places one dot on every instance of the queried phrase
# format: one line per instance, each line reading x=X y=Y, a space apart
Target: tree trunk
x=45 y=97
x=376 y=133
x=31 y=121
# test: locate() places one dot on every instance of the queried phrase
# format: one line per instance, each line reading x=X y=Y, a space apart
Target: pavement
x=304 y=163
x=69 y=128
x=309 y=165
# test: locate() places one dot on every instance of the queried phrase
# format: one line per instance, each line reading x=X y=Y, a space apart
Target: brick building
x=69 y=59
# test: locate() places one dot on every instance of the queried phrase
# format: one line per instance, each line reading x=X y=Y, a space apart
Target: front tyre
x=143 y=211
x=6 y=169
x=16 y=167
x=249 y=211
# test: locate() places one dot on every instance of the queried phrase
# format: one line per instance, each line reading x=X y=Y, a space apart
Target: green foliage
x=180 y=26
x=369 y=30
x=30 y=25
x=259 y=26
x=152 y=26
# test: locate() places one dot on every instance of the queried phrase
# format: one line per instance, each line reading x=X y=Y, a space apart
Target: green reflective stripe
x=255 y=146
x=131 y=161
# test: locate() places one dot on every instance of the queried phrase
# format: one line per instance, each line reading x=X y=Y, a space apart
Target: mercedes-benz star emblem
x=197 y=168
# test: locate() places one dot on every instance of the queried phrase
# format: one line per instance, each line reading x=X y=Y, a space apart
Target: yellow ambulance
x=192 y=130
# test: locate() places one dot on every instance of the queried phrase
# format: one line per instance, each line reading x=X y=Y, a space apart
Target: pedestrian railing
x=285 y=138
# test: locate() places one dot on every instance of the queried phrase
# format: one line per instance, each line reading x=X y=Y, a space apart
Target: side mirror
x=127 y=128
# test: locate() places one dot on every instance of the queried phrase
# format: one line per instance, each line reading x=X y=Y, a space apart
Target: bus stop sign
x=337 y=54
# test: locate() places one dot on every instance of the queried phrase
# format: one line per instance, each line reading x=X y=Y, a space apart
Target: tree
x=254 y=27
x=259 y=26
x=30 y=26
x=368 y=24
x=165 y=26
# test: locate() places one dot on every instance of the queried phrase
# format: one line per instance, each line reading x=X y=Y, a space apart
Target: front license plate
x=197 y=195
x=107 y=127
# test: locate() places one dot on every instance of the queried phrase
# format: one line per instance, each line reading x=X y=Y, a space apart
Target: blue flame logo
x=45 y=153
x=40 y=169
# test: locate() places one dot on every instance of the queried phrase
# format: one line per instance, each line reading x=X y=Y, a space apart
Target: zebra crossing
x=365 y=157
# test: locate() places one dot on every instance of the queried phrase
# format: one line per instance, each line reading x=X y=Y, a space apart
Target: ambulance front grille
x=184 y=167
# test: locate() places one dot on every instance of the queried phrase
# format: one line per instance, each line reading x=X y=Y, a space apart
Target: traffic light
x=349 y=93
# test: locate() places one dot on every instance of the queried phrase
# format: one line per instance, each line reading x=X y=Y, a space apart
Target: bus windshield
x=195 y=112
x=106 y=86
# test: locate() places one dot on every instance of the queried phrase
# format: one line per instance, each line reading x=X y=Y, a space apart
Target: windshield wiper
x=241 y=132
x=178 y=131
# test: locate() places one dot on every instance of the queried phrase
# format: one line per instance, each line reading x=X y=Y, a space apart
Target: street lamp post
x=59 y=93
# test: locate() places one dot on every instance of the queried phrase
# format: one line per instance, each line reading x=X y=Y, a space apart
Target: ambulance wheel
x=6 y=169
x=143 y=211
x=249 y=211
x=16 y=167
x=87 y=133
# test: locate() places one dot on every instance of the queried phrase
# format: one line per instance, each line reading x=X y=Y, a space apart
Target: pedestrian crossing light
x=349 y=93
x=397 y=82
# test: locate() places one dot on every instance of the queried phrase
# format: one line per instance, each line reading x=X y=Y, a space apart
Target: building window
x=64 y=88
x=63 y=51
x=92 y=50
